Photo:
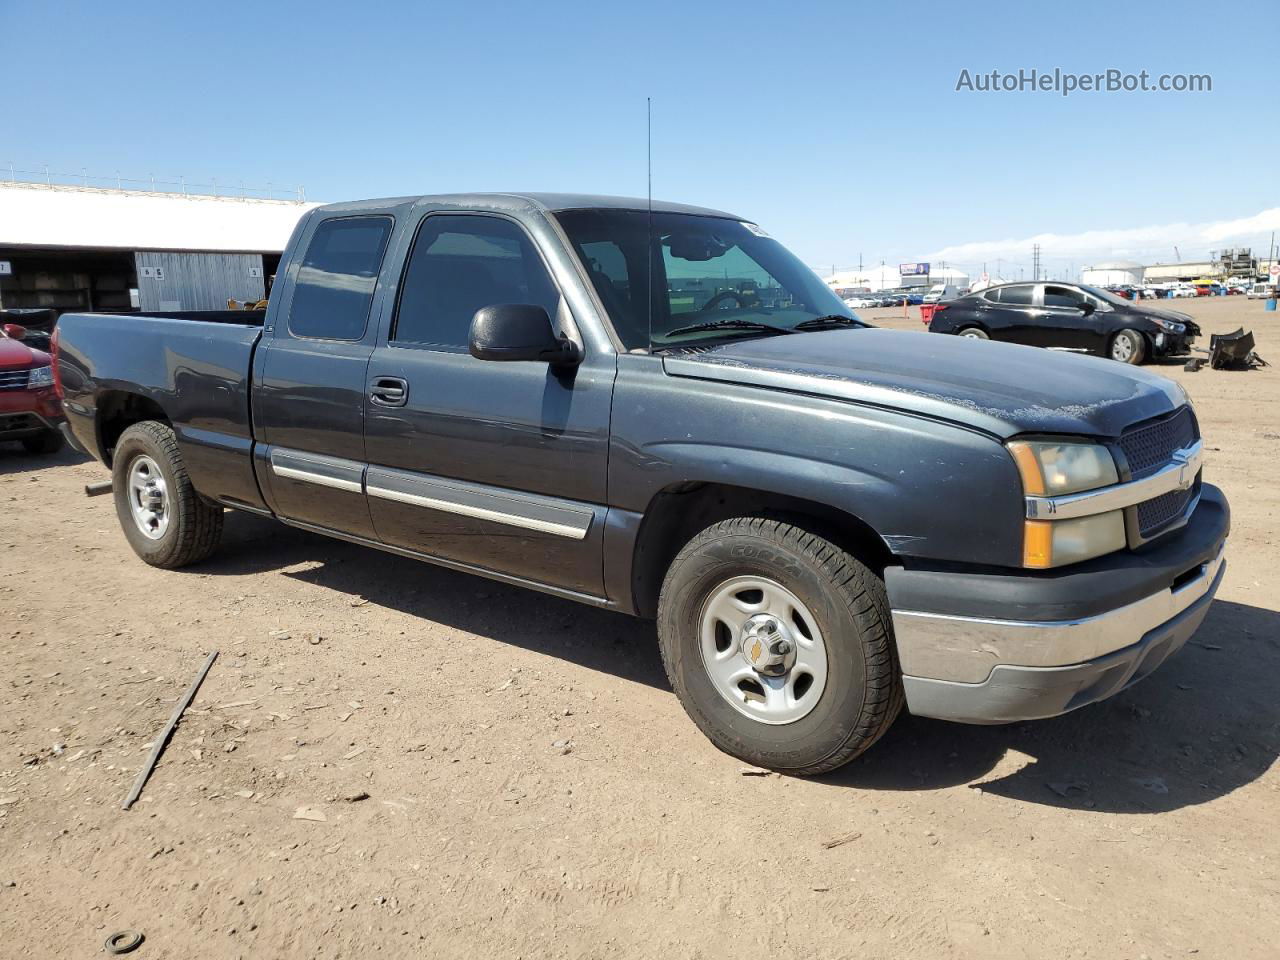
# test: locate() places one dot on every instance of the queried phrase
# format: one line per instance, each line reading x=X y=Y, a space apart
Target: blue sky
x=836 y=126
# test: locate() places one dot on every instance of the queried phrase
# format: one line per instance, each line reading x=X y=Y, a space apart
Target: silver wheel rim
x=972 y=334
x=763 y=650
x=148 y=497
x=1122 y=349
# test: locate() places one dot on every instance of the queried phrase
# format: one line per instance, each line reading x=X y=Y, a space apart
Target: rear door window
x=1018 y=295
x=337 y=278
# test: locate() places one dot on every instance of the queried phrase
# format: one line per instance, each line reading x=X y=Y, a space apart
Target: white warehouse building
x=1113 y=273
x=889 y=278
x=71 y=248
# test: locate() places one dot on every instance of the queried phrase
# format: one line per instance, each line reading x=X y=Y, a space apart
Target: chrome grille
x=1149 y=446
x=1159 y=511
x=14 y=379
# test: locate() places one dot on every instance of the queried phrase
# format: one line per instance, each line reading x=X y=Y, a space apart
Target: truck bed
x=193 y=367
x=249 y=318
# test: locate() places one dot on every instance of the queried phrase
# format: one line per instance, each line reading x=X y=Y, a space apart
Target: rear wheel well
x=117 y=412
x=677 y=514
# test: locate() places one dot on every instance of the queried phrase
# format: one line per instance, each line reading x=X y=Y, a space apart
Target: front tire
x=744 y=589
x=974 y=333
x=166 y=522
x=1128 y=346
x=46 y=443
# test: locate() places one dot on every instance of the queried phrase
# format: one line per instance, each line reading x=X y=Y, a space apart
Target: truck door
x=496 y=465
x=310 y=385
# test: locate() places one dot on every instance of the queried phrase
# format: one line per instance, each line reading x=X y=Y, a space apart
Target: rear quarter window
x=337 y=278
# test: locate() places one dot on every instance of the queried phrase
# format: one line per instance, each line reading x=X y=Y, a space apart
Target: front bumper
x=1173 y=344
x=19 y=426
x=28 y=413
x=1066 y=639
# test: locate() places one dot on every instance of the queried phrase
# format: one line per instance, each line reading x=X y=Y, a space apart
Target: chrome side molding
x=516 y=509
x=529 y=511
x=316 y=468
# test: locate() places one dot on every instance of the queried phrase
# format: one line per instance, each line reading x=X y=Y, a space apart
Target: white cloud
x=1194 y=240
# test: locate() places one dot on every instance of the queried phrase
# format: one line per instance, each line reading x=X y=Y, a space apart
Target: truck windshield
x=705 y=271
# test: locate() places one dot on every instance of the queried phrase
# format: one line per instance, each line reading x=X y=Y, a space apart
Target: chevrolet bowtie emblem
x=1186 y=476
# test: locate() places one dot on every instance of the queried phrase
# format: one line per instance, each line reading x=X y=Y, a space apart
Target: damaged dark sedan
x=1068 y=316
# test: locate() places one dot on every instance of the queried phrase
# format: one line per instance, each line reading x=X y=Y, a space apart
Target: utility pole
x=1035 y=261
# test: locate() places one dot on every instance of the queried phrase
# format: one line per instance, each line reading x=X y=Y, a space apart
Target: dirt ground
x=531 y=788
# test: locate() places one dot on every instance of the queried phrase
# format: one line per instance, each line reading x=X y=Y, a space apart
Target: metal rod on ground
x=161 y=740
x=97 y=489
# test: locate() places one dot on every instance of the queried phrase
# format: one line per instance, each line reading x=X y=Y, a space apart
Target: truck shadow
x=596 y=639
x=14 y=459
x=1206 y=723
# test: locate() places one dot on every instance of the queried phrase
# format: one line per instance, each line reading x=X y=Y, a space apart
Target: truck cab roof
x=516 y=202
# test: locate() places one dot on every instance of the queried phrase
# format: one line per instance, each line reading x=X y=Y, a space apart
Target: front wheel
x=1129 y=346
x=778 y=645
x=974 y=333
x=166 y=522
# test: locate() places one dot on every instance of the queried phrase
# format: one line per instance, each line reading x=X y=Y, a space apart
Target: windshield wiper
x=830 y=320
x=730 y=323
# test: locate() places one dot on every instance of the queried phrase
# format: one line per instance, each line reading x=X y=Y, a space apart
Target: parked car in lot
x=861 y=301
x=1068 y=316
x=826 y=519
x=29 y=409
x=1259 y=291
x=941 y=292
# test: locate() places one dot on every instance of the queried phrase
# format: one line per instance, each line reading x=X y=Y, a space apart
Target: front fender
x=929 y=489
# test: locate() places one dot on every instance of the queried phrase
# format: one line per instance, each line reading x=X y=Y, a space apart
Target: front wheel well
x=678 y=513
x=117 y=412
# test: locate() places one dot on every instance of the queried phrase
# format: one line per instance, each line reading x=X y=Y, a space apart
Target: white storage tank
x=1113 y=273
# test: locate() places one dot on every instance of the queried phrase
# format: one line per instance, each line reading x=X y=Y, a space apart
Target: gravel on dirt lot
x=390 y=758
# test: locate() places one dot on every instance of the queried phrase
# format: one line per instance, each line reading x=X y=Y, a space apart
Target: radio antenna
x=648 y=106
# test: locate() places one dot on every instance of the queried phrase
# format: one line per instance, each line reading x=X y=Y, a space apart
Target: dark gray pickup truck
x=663 y=412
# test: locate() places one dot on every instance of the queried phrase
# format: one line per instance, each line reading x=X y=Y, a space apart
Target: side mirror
x=519 y=331
x=1087 y=307
x=15 y=331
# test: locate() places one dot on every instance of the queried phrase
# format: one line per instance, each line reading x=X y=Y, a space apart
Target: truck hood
x=16 y=355
x=1000 y=388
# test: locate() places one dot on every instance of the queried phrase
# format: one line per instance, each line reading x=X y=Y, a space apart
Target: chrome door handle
x=389 y=391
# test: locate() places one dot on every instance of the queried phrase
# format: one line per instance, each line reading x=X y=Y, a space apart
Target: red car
x=29 y=408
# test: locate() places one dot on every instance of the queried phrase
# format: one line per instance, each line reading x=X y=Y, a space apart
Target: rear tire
x=1128 y=346
x=166 y=522
x=974 y=333
x=835 y=602
x=51 y=441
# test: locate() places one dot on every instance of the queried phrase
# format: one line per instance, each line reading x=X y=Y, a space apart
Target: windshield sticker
x=755 y=229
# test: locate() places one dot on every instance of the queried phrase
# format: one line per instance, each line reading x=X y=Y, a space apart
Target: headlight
x=1170 y=325
x=1052 y=468
x=1056 y=468
x=40 y=377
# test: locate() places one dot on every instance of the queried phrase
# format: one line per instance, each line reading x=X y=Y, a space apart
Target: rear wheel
x=166 y=522
x=1129 y=346
x=50 y=441
x=974 y=333
x=778 y=645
